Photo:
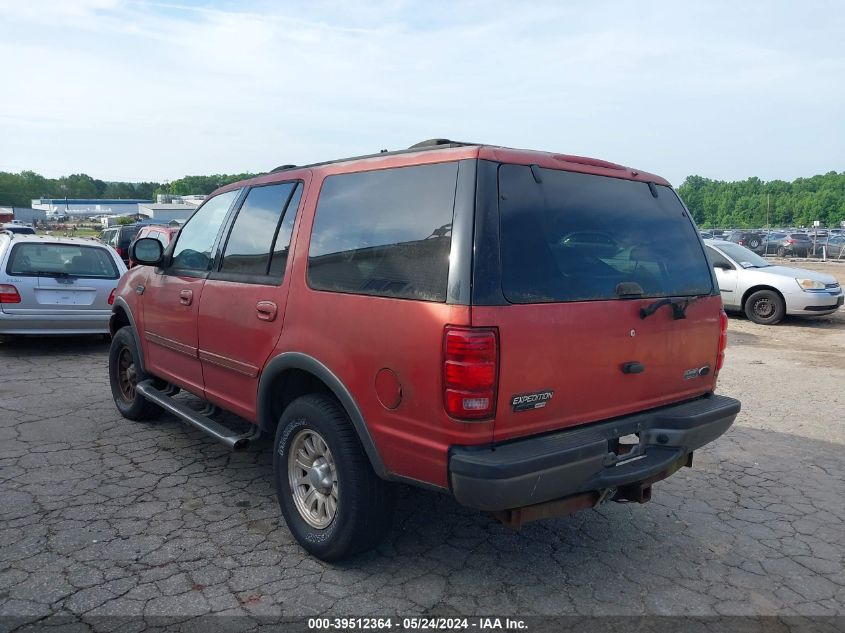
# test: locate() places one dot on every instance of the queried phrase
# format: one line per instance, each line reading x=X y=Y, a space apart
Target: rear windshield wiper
x=679 y=307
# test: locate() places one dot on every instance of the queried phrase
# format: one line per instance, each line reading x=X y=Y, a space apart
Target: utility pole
x=767 y=210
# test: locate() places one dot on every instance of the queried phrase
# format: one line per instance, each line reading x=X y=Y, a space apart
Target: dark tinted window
x=197 y=237
x=385 y=232
x=249 y=246
x=716 y=257
x=70 y=259
x=282 y=245
x=574 y=237
x=127 y=234
x=109 y=237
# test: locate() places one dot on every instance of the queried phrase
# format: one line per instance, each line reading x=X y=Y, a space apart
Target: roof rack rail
x=435 y=142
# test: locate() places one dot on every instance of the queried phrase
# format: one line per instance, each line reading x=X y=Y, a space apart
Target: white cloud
x=144 y=90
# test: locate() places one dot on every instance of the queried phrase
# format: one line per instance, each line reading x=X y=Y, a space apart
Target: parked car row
x=64 y=285
x=121 y=237
x=784 y=243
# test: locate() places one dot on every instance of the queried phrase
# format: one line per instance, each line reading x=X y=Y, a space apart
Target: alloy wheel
x=313 y=478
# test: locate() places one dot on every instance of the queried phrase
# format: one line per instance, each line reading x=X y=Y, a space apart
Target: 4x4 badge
x=529 y=401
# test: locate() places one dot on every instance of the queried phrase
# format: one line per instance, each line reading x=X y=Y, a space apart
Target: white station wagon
x=56 y=285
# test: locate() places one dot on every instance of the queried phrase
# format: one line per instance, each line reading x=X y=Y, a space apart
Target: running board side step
x=196 y=419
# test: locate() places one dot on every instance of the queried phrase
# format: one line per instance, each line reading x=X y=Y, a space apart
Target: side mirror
x=723 y=266
x=146 y=251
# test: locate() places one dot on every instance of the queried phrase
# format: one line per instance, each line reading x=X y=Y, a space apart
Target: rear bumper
x=543 y=468
x=83 y=322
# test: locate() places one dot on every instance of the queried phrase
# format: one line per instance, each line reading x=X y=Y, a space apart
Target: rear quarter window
x=386 y=233
x=576 y=237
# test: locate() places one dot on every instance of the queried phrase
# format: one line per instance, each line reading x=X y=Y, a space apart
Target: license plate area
x=64 y=296
x=624 y=449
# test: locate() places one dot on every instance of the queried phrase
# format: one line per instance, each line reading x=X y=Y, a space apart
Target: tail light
x=790 y=241
x=111 y=296
x=120 y=251
x=741 y=242
x=723 y=339
x=470 y=370
x=9 y=294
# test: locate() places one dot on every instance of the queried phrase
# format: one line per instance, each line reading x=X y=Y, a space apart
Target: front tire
x=765 y=307
x=334 y=504
x=124 y=374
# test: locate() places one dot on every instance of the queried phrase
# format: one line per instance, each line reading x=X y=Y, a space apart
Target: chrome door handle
x=186 y=297
x=266 y=310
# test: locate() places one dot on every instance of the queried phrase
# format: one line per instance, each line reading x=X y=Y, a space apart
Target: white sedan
x=765 y=292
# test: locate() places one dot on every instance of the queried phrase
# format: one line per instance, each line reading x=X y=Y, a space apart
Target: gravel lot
x=103 y=516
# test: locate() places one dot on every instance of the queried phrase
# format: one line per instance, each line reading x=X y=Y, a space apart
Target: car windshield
x=743 y=256
x=73 y=260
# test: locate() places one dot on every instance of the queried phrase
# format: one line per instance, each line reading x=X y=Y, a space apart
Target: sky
x=138 y=90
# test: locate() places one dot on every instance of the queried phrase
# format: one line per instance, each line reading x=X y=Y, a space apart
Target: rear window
x=61 y=259
x=127 y=234
x=385 y=233
x=577 y=237
x=800 y=236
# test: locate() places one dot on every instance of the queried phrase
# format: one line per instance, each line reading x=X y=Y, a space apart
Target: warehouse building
x=26 y=215
x=165 y=213
x=82 y=207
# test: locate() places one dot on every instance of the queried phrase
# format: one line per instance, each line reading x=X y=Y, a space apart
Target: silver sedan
x=56 y=285
x=765 y=292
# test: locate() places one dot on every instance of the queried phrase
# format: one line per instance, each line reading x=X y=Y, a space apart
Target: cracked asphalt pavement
x=103 y=516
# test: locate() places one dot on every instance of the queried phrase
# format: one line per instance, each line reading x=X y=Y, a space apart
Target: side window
x=717 y=258
x=385 y=233
x=196 y=239
x=250 y=242
x=282 y=245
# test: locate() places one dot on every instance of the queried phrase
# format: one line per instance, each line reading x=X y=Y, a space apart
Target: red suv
x=498 y=324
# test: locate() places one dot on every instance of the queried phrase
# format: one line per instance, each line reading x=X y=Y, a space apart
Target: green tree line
x=744 y=203
x=19 y=190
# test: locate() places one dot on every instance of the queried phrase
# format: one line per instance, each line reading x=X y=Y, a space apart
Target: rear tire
x=124 y=373
x=334 y=504
x=781 y=251
x=765 y=307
